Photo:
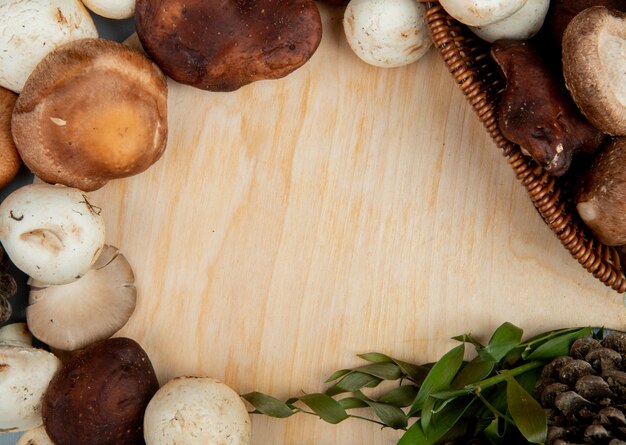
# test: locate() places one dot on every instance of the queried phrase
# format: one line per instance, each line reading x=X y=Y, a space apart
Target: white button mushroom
x=481 y=12
x=52 y=233
x=112 y=9
x=521 y=25
x=387 y=33
x=72 y=316
x=25 y=373
x=33 y=28
x=196 y=410
x=36 y=436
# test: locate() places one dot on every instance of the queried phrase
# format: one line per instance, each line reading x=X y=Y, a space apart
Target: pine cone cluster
x=8 y=288
x=585 y=393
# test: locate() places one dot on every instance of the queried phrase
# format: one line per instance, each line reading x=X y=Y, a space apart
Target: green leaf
x=556 y=346
x=476 y=370
x=337 y=375
x=528 y=415
x=376 y=357
x=413 y=436
x=467 y=338
x=401 y=397
x=506 y=338
x=416 y=373
x=390 y=415
x=326 y=407
x=268 y=405
x=353 y=382
x=444 y=419
x=352 y=403
x=439 y=377
x=384 y=371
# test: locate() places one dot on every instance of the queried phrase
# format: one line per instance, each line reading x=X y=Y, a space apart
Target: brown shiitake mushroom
x=99 y=396
x=9 y=158
x=601 y=198
x=92 y=110
x=594 y=66
x=537 y=113
x=222 y=45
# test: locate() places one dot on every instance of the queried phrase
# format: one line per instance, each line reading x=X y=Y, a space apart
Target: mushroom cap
x=221 y=45
x=6 y=310
x=387 y=33
x=594 y=66
x=92 y=110
x=99 y=396
x=10 y=161
x=33 y=28
x=112 y=9
x=16 y=334
x=601 y=197
x=194 y=410
x=36 y=436
x=24 y=376
x=94 y=307
x=521 y=25
x=52 y=233
x=481 y=12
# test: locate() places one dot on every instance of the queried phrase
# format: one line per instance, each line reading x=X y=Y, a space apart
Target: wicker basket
x=480 y=79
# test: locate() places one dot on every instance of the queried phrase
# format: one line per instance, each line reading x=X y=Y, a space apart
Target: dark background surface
x=117 y=30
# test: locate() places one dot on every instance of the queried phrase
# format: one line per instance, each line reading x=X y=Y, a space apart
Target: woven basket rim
x=469 y=62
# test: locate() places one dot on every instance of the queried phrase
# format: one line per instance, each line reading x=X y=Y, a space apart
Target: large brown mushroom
x=99 y=396
x=92 y=110
x=537 y=113
x=9 y=158
x=601 y=198
x=594 y=66
x=221 y=45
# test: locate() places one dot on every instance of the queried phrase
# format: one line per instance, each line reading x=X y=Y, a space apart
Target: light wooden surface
x=345 y=209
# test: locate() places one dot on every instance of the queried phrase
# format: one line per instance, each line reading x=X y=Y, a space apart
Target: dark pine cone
x=8 y=288
x=584 y=393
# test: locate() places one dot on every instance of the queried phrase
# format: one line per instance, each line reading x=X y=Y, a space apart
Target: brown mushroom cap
x=594 y=67
x=91 y=111
x=222 y=45
x=601 y=198
x=9 y=158
x=99 y=396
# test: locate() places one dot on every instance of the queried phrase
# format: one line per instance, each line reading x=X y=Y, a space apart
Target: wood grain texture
x=344 y=209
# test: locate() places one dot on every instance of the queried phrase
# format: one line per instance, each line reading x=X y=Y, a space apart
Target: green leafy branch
x=487 y=398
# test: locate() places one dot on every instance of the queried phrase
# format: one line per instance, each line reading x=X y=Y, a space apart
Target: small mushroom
x=6 y=310
x=222 y=45
x=52 y=233
x=601 y=197
x=93 y=110
x=112 y=9
x=33 y=28
x=10 y=161
x=481 y=12
x=521 y=25
x=537 y=113
x=594 y=66
x=99 y=396
x=94 y=307
x=36 y=436
x=25 y=373
x=387 y=33
x=196 y=410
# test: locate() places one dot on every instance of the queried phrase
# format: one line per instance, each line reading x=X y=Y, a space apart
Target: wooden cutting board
x=344 y=209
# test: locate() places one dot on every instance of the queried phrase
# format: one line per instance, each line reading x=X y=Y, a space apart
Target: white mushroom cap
x=33 y=28
x=387 y=33
x=52 y=233
x=25 y=373
x=481 y=12
x=112 y=9
x=196 y=410
x=521 y=25
x=16 y=334
x=72 y=316
x=36 y=436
